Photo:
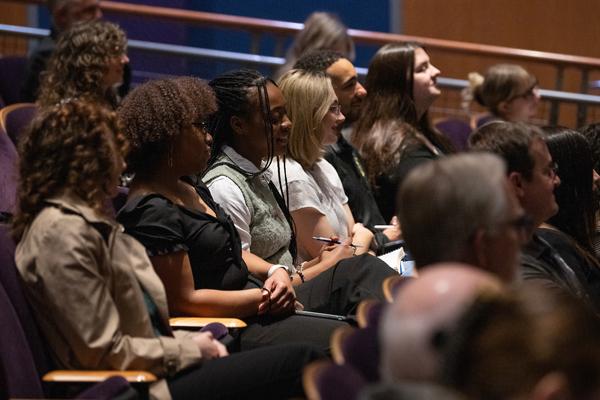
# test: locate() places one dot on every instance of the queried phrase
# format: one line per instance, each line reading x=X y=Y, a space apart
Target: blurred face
x=425 y=74
x=503 y=242
x=523 y=107
x=114 y=70
x=537 y=196
x=331 y=124
x=349 y=91
x=77 y=11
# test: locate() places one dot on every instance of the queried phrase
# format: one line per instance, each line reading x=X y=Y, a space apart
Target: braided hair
x=234 y=91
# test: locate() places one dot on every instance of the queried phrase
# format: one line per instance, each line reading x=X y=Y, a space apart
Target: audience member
x=413 y=329
x=461 y=209
x=342 y=155
x=322 y=30
x=532 y=173
x=92 y=288
x=508 y=91
x=312 y=187
x=529 y=344
x=393 y=134
x=65 y=14
x=88 y=62
x=592 y=134
x=572 y=229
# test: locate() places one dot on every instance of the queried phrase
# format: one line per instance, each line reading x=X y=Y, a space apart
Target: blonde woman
x=312 y=188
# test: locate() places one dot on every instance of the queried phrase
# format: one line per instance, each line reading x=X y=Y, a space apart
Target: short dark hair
x=509 y=140
x=318 y=60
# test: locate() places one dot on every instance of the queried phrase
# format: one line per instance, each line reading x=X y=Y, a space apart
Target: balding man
x=460 y=208
x=413 y=327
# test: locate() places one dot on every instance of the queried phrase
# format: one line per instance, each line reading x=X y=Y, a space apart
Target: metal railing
x=282 y=30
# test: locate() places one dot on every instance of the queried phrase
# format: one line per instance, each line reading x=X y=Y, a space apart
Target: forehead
x=341 y=71
x=276 y=99
x=420 y=56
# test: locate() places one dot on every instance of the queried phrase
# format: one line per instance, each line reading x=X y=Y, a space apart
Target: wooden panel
x=14 y=14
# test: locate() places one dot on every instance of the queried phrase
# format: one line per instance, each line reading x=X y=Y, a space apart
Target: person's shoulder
x=293 y=169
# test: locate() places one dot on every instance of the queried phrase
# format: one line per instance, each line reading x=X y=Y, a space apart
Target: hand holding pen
x=333 y=241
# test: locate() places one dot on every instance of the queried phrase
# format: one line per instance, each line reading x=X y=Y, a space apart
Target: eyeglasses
x=552 y=170
x=203 y=125
x=335 y=109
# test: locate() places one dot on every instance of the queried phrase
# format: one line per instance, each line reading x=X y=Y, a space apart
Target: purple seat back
x=339 y=382
x=18 y=119
x=8 y=173
x=456 y=130
x=217 y=329
x=361 y=352
x=12 y=73
x=10 y=280
x=19 y=336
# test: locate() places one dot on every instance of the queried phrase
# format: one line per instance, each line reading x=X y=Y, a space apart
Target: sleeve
x=156 y=223
x=231 y=199
x=83 y=309
x=304 y=195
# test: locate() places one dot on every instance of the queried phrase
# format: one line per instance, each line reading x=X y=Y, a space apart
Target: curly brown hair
x=79 y=63
x=67 y=148
x=158 y=111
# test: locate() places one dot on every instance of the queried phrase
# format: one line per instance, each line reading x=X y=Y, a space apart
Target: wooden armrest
x=97 y=376
x=199 y=322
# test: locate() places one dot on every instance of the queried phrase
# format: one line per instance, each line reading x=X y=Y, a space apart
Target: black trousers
x=335 y=291
x=273 y=372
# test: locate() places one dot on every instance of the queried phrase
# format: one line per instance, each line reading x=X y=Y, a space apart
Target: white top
x=231 y=199
x=319 y=188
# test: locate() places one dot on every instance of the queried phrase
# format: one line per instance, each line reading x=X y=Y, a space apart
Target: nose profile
x=360 y=90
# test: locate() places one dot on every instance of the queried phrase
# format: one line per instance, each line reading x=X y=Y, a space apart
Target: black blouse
x=212 y=244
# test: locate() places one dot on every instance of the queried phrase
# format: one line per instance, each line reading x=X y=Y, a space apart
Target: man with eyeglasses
x=461 y=208
x=533 y=176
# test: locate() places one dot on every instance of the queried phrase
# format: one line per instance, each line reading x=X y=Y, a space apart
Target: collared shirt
x=229 y=196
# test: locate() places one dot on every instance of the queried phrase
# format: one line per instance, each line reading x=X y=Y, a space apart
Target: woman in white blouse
x=312 y=188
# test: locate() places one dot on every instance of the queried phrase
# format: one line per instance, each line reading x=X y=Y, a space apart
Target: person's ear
x=516 y=181
x=238 y=125
x=552 y=386
x=503 y=108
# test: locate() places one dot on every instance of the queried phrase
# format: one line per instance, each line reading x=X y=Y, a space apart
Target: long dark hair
x=390 y=108
x=577 y=209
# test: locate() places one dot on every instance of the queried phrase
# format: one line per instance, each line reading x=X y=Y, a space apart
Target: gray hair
x=441 y=204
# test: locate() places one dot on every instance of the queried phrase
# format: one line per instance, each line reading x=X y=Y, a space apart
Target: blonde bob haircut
x=309 y=95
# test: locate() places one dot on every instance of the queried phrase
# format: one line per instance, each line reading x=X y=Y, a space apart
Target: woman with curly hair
x=192 y=242
x=93 y=290
x=88 y=62
x=393 y=134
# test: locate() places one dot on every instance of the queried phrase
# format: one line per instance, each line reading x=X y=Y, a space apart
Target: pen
x=331 y=241
x=383 y=227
